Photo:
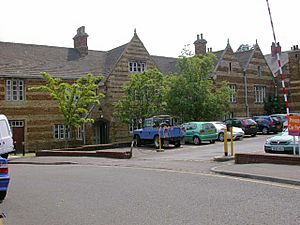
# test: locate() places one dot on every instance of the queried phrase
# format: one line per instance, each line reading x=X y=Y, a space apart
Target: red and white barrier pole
x=279 y=64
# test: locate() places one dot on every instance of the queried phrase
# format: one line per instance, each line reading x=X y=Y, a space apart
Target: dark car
x=248 y=125
x=267 y=124
x=4 y=178
x=283 y=118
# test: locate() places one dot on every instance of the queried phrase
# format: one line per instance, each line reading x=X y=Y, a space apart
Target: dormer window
x=136 y=66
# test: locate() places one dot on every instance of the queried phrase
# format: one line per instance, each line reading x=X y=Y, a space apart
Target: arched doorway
x=101 y=131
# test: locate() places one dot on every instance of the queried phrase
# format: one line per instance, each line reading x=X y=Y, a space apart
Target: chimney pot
x=80 y=41
x=200 y=45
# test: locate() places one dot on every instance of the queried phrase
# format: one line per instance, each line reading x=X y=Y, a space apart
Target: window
x=61 y=131
x=259 y=94
x=14 y=90
x=136 y=66
x=79 y=133
x=232 y=97
x=16 y=123
x=259 y=70
x=229 y=67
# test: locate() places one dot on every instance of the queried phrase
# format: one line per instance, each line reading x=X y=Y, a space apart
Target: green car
x=282 y=143
x=197 y=132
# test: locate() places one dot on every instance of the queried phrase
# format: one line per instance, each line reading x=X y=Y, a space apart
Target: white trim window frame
x=232 y=97
x=15 y=90
x=259 y=94
x=136 y=66
x=61 y=132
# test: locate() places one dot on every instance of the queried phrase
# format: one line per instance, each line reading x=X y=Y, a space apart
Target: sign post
x=294 y=130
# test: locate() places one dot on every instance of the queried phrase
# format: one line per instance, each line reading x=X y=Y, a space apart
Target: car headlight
x=268 y=141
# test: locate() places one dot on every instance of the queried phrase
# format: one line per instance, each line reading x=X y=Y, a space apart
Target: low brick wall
x=244 y=158
x=94 y=147
x=106 y=154
x=100 y=150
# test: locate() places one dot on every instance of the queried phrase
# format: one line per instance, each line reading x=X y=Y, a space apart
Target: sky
x=164 y=26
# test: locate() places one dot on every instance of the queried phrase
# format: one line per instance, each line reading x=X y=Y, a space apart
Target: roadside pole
x=231 y=142
x=279 y=63
x=159 y=141
x=225 y=143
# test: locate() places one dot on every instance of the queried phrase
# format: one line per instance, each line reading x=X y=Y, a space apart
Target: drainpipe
x=246 y=94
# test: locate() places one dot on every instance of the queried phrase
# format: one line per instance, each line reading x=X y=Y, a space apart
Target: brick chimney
x=80 y=41
x=273 y=49
x=200 y=45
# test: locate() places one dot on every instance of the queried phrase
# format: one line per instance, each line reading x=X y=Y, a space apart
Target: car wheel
x=212 y=141
x=241 y=138
x=265 y=130
x=253 y=135
x=177 y=144
x=2 y=195
x=5 y=155
x=221 y=137
x=196 y=140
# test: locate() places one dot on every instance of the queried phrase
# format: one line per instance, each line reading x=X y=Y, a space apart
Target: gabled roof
x=219 y=56
x=166 y=65
x=273 y=62
x=112 y=58
x=244 y=58
x=28 y=61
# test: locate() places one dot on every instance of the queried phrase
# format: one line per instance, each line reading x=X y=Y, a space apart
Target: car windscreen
x=249 y=121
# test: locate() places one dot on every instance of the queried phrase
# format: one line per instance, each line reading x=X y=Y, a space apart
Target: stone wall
x=39 y=114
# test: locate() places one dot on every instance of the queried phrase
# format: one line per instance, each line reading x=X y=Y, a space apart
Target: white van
x=6 y=140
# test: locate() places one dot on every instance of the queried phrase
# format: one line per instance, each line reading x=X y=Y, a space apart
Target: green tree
x=143 y=97
x=192 y=95
x=74 y=99
x=274 y=105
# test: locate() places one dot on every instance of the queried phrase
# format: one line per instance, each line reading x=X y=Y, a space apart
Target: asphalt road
x=96 y=195
x=173 y=187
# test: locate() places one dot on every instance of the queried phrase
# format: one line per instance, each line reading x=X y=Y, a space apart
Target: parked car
x=283 y=118
x=161 y=127
x=4 y=178
x=237 y=133
x=267 y=124
x=6 y=140
x=282 y=143
x=197 y=132
x=248 y=125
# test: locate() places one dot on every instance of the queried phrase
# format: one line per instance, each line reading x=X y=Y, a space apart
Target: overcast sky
x=164 y=26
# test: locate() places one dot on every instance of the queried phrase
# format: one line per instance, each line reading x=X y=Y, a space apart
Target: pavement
x=280 y=173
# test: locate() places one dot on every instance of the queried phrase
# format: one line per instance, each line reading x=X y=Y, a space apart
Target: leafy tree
x=274 y=105
x=143 y=97
x=74 y=99
x=192 y=95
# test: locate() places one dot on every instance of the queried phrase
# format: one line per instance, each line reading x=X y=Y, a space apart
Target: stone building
x=291 y=71
x=34 y=117
x=36 y=121
x=247 y=73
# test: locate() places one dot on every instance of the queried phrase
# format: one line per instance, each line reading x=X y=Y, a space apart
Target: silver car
x=237 y=133
x=282 y=143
